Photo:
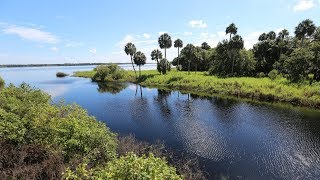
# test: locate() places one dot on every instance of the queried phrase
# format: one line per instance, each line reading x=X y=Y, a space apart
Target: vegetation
x=130 y=49
x=1 y=83
x=61 y=74
x=39 y=140
x=165 y=43
x=107 y=73
x=139 y=59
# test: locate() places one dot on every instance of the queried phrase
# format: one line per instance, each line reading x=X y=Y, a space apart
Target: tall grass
x=263 y=89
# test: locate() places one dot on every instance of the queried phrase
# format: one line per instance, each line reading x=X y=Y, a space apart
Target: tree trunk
x=178 y=58
x=165 y=53
x=134 y=69
x=230 y=37
x=139 y=71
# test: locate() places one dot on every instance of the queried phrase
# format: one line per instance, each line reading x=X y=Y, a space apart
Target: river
x=231 y=138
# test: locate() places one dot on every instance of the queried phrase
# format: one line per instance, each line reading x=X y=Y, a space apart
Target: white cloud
x=303 y=5
x=198 y=24
x=187 y=33
x=251 y=39
x=93 y=51
x=146 y=35
x=222 y=34
x=74 y=44
x=55 y=49
x=31 y=34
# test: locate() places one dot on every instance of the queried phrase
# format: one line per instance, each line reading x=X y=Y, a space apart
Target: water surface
x=232 y=139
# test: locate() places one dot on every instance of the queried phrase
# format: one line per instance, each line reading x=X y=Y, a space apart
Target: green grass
x=262 y=89
x=1 y=82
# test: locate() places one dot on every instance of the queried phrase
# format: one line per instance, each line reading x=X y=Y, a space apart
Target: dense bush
x=29 y=162
x=1 y=82
x=273 y=74
x=27 y=117
x=61 y=74
x=108 y=72
x=129 y=166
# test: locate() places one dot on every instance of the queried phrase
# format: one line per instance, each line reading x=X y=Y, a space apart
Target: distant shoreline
x=49 y=65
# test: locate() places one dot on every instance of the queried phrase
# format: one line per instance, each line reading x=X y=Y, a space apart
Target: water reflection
x=111 y=87
x=162 y=101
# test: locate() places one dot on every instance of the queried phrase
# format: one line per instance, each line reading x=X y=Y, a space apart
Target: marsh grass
x=262 y=89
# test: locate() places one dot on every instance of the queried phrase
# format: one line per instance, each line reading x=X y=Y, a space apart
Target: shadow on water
x=111 y=87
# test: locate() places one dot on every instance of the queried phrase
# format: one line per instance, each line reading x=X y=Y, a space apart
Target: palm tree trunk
x=230 y=37
x=178 y=59
x=134 y=69
x=165 y=53
x=139 y=71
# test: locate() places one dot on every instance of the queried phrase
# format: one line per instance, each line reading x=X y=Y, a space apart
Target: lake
x=231 y=138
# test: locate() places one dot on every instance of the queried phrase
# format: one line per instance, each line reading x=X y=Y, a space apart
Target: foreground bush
x=29 y=162
x=1 y=82
x=27 y=117
x=129 y=166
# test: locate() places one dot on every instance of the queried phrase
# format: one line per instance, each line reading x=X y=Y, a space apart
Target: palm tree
x=235 y=44
x=304 y=29
x=139 y=59
x=188 y=51
x=262 y=37
x=178 y=44
x=271 y=35
x=205 y=46
x=165 y=42
x=283 y=34
x=156 y=55
x=130 y=49
x=231 y=29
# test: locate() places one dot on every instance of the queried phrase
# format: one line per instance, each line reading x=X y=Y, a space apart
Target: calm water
x=232 y=139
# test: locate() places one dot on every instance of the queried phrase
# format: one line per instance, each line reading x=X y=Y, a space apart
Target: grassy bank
x=262 y=89
x=1 y=82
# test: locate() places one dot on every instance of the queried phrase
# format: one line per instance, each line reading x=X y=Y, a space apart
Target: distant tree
x=283 y=34
x=156 y=55
x=304 y=30
x=139 y=59
x=263 y=37
x=165 y=43
x=231 y=29
x=188 y=52
x=297 y=64
x=316 y=35
x=130 y=49
x=163 y=66
x=178 y=44
x=271 y=35
x=205 y=46
x=235 y=45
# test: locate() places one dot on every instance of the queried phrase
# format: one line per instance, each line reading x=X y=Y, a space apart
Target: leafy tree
x=316 y=35
x=263 y=37
x=165 y=43
x=304 y=30
x=205 y=46
x=235 y=45
x=188 y=52
x=297 y=64
x=315 y=62
x=130 y=49
x=156 y=55
x=163 y=66
x=178 y=44
x=139 y=59
x=231 y=29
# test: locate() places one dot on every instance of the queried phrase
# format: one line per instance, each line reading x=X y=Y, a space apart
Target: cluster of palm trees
x=163 y=65
x=273 y=51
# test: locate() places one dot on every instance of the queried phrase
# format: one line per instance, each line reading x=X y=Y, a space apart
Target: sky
x=74 y=31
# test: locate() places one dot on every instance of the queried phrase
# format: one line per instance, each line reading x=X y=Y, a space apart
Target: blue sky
x=59 y=31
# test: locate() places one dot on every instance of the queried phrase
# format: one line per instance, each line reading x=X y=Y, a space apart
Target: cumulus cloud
x=198 y=24
x=93 y=51
x=55 y=49
x=146 y=35
x=303 y=5
x=32 y=34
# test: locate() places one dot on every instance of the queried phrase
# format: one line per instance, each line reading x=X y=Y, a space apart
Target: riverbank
x=262 y=89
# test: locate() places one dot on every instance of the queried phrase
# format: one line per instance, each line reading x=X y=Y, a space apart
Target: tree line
x=295 y=57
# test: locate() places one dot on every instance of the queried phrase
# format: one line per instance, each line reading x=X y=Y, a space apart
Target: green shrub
x=273 y=74
x=108 y=72
x=261 y=75
x=27 y=117
x=130 y=166
x=1 y=82
x=61 y=74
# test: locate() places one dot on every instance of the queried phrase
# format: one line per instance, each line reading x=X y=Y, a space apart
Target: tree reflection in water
x=111 y=87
